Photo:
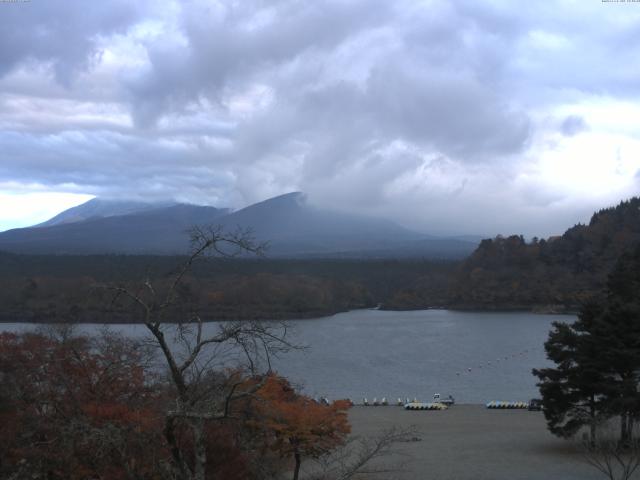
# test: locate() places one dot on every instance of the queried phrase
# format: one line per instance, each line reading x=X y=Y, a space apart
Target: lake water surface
x=476 y=357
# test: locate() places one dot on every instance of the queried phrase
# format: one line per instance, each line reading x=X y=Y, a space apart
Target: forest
x=67 y=288
x=557 y=274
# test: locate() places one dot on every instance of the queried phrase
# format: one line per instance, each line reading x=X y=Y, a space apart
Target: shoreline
x=302 y=317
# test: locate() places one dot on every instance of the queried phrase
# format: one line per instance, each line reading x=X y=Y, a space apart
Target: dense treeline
x=67 y=288
x=557 y=273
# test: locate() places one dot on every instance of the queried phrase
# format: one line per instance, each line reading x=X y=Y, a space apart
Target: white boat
x=446 y=401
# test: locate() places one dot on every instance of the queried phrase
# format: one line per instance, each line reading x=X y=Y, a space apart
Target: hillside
x=101 y=208
x=291 y=226
x=553 y=274
x=161 y=231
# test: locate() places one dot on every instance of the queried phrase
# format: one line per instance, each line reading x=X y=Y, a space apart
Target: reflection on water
x=476 y=357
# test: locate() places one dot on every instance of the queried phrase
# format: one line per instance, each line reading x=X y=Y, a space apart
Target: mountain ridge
x=100 y=208
x=291 y=226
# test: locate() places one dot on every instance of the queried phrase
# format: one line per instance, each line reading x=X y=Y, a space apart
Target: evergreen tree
x=597 y=359
x=617 y=330
x=572 y=392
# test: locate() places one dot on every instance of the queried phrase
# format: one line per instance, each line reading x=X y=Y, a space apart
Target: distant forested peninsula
x=554 y=274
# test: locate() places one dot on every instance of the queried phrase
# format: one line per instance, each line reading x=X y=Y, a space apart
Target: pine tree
x=617 y=331
x=597 y=373
x=572 y=392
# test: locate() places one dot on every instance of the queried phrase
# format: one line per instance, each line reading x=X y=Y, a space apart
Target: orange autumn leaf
x=296 y=423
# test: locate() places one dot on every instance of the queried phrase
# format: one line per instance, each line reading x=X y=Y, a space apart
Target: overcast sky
x=449 y=116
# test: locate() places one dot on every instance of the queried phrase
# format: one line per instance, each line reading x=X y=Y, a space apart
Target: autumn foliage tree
x=75 y=408
x=78 y=408
x=296 y=426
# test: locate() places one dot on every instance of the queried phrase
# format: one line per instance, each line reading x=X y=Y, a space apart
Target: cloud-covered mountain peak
x=102 y=208
x=288 y=223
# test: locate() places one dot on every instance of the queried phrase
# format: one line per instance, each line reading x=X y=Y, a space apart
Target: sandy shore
x=474 y=443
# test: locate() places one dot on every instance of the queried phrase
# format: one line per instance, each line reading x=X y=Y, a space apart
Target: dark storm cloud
x=368 y=103
x=573 y=125
x=454 y=113
x=404 y=96
x=63 y=33
x=238 y=43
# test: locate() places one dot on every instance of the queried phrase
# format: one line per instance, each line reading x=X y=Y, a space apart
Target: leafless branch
x=365 y=456
x=203 y=394
x=614 y=460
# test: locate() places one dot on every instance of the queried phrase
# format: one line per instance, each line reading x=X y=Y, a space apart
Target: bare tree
x=365 y=457
x=615 y=460
x=203 y=393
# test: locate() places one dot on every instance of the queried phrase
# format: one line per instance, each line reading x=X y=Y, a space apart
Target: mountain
x=101 y=208
x=295 y=228
x=291 y=226
x=557 y=273
x=162 y=230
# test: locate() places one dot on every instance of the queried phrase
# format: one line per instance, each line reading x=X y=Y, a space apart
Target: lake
x=476 y=357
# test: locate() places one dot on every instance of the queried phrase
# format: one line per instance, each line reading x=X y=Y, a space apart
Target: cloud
x=573 y=125
x=31 y=208
x=448 y=115
x=223 y=45
x=61 y=33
